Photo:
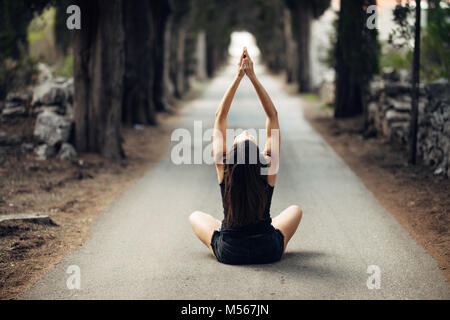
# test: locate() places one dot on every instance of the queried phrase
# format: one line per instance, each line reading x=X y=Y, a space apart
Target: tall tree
x=99 y=68
x=161 y=11
x=179 y=27
x=291 y=48
x=415 y=89
x=303 y=16
x=303 y=13
x=168 y=87
x=63 y=36
x=356 y=57
x=140 y=34
x=15 y=17
x=218 y=19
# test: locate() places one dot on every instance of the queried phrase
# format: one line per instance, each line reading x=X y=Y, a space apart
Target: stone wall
x=49 y=104
x=389 y=115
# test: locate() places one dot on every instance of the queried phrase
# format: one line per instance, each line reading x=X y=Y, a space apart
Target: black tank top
x=262 y=226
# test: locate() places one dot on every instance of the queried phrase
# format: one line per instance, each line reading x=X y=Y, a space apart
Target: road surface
x=143 y=247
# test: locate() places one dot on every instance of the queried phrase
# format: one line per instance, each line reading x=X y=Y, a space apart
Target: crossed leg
x=204 y=226
x=287 y=222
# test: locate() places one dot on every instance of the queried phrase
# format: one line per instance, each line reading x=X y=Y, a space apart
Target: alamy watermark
x=73 y=22
x=372 y=20
x=73 y=282
x=374 y=280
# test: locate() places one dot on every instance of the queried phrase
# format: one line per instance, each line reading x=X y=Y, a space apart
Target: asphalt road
x=143 y=247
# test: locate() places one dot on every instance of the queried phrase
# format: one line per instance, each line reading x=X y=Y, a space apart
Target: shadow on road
x=310 y=264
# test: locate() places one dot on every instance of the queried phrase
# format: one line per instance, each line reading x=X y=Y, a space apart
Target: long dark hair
x=245 y=196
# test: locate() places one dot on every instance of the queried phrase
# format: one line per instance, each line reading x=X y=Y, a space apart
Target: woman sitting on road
x=247 y=233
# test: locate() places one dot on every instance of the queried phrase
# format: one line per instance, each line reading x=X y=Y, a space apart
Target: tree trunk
x=161 y=10
x=356 y=57
x=179 y=62
x=138 y=105
x=303 y=23
x=302 y=12
x=415 y=89
x=168 y=88
x=348 y=91
x=200 y=71
x=210 y=55
x=98 y=73
x=291 y=48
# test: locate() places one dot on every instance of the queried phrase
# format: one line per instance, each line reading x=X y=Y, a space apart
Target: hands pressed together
x=245 y=65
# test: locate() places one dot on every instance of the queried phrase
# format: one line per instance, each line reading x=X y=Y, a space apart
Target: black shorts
x=235 y=248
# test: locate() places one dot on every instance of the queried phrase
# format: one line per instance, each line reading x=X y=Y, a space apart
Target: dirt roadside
x=416 y=198
x=73 y=193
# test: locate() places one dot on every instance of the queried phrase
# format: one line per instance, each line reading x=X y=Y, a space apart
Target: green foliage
x=16 y=74
x=330 y=58
x=16 y=69
x=14 y=19
x=41 y=25
x=357 y=57
x=310 y=96
x=357 y=46
x=403 y=33
x=435 y=41
x=369 y=50
x=397 y=59
x=327 y=108
x=67 y=68
x=216 y=18
x=262 y=18
x=63 y=36
x=268 y=31
x=436 y=44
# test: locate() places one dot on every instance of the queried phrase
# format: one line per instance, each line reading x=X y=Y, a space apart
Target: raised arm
x=220 y=124
x=272 y=148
